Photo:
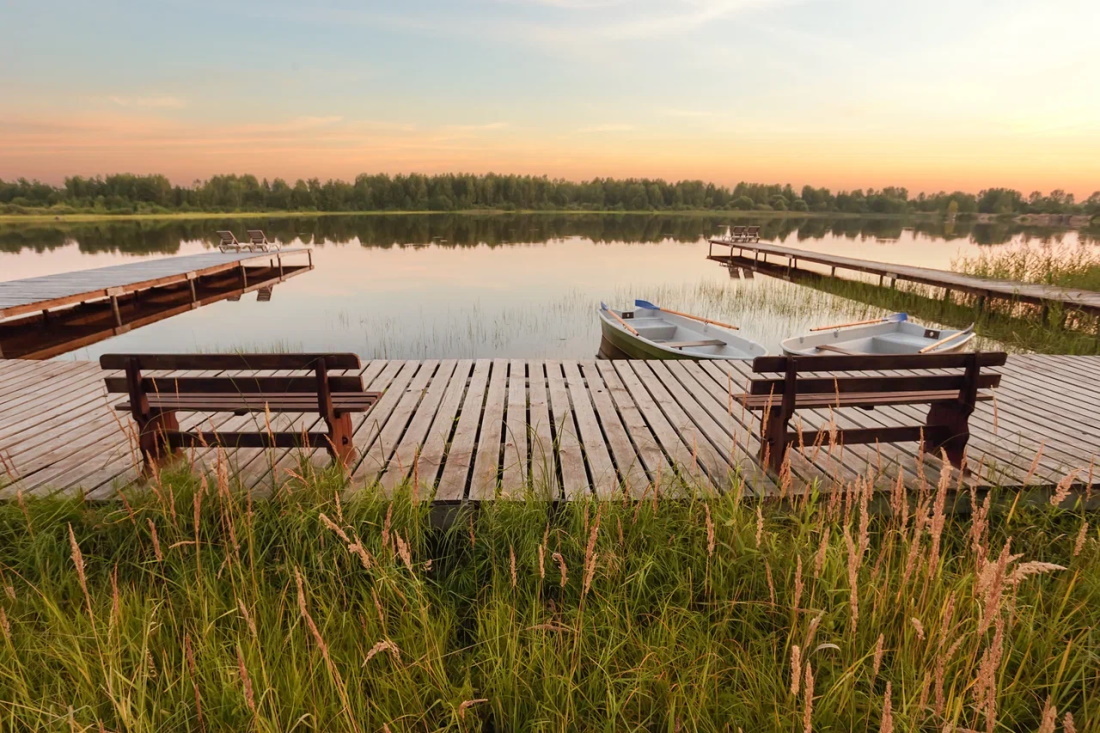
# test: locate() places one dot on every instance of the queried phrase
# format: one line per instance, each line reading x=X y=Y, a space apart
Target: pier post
x=279 y=257
x=832 y=271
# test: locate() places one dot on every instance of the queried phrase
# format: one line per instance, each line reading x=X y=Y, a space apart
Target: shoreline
x=201 y=215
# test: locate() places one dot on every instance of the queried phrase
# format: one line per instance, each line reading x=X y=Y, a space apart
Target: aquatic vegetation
x=1052 y=263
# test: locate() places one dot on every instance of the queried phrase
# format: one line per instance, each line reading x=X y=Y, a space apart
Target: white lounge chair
x=259 y=242
x=229 y=242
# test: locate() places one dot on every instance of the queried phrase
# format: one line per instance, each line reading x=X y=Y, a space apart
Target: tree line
x=126 y=193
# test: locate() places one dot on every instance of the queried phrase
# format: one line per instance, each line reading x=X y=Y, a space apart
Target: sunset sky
x=940 y=94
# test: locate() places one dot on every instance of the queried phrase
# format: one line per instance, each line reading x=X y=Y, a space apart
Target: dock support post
x=981 y=307
x=880 y=279
x=309 y=254
x=279 y=257
x=947 y=295
x=194 y=294
x=114 y=308
x=244 y=276
x=1046 y=314
x=832 y=271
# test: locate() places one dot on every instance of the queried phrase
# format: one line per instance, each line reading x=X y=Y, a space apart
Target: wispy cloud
x=148 y=101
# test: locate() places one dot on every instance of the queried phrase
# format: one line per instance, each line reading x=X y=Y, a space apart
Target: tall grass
x=193 y=607
x=1076 y=265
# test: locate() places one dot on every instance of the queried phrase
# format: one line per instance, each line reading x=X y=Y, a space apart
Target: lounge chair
x=229 y=242
x=259 y=242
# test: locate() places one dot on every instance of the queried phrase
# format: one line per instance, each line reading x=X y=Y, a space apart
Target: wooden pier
x=464 y=429
x=36 y=294
x=751 y=253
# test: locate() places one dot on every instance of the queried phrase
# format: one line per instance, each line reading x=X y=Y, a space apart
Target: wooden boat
x=649 y=332
x=891 y=335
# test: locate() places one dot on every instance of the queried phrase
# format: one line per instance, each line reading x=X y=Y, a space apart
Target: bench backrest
x=257 y=236
x=969 y=379
x=228 y=237
x=312 y=379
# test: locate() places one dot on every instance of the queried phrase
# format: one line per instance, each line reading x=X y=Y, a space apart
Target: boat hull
x=682 y=334
x=905 y=337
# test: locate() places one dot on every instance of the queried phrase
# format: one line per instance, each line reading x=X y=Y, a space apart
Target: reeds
x=195 y=608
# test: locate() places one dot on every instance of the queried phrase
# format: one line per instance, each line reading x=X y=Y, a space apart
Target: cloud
x=149 y=101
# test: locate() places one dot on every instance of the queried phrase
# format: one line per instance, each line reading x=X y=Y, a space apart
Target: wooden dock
x=461 y=429
x=36 y=294
x=1071 y=299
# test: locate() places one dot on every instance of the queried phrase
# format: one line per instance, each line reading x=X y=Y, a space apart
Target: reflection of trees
x=464 y=230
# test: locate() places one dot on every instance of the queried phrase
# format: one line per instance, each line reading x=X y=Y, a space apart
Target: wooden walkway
x=462 y=428
x=18 y=297
x=1085 y=301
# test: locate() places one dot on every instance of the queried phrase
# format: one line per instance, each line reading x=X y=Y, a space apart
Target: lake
x=494 y=285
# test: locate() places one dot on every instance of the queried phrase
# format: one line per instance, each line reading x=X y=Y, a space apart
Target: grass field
x=194 y=607
x=1073 y=266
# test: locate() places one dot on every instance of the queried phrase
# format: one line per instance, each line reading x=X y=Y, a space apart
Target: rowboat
x=894 y=334
x=650 y=332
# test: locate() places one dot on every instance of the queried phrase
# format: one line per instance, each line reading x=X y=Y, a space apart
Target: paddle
x=627 y=326
x=950 y=338
x=837 y=349
x=892 y=318
x=650 y=306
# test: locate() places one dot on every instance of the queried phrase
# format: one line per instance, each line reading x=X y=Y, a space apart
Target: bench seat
x=216 y=402
x=855 y=399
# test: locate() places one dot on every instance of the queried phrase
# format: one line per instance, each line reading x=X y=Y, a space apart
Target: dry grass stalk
x=1049 y=720
x=985 y=684
x=78 y=562
x=808 y=706
x=246 y=682
x=887 y=724
x=876 y=658
x=384 y=646
x=798 y=585
x=467 y=704
x=1061 y=491
x=335 y=528
x=156 y=541
x=402 y=550
x=5 y=625
x=796 y=670
x=771 y=582
x=189 y=655
x=512 y=563
x=561 y=567
x=248 y=619
x=1068 y=724
x=320 y=641
x=853 y=580
x=1082 y=535
x=1023 y=570
x=1034 y=463
x=709 y=521
x=822 y=549
x=759 y=525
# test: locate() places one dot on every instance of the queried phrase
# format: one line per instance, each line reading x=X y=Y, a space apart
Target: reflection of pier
x=45 y=316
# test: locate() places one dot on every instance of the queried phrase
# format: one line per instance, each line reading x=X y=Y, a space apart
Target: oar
x=837 y=349
x=892 y=318
x=941 y=342
x=616 y=316
x=647 y=304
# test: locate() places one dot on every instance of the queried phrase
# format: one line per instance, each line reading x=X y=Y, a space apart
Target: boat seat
x=655 y=333
x=683 y=344
x=897 y=343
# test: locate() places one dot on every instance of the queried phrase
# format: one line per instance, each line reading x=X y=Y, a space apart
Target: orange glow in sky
x=847 y=94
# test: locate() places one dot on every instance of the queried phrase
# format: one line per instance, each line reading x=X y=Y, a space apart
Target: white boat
x=649 y=332
x=892 y=335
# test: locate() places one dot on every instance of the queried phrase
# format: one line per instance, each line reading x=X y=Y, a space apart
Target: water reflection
x=501 y=285
x=466 y=230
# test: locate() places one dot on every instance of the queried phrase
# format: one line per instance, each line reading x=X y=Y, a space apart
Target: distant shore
x=198 y=215
x=1066 y=221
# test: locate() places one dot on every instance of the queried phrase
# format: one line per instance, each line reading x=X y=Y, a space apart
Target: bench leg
x=340 y=445
x=151 y=437
x=948 y=429
x=773 y=438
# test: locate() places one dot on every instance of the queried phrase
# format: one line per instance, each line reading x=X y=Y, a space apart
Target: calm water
x=484 y=286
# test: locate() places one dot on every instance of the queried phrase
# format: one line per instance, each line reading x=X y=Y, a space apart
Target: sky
x=931 y=95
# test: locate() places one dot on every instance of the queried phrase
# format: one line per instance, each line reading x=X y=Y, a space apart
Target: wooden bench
x=928 y=380
x=153 y=401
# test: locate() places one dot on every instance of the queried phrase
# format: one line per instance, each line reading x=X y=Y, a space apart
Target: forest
x=125 y=193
